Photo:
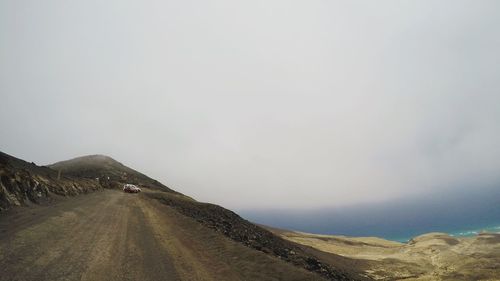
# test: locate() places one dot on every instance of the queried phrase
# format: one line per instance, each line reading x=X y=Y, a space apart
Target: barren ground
x=111 y=235
x=429 y=257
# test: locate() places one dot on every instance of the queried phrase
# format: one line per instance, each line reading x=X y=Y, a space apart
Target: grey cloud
x=262 y=103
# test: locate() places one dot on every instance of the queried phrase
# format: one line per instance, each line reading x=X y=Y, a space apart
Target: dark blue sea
x=459 y=213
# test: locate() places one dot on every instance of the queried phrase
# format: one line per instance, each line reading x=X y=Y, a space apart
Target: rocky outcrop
x=23 y=183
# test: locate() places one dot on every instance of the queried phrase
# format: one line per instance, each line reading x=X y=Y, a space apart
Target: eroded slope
x=433 y=256
x=23 y=183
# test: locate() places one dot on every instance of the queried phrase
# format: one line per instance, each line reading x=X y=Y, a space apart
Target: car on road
x=130 y=188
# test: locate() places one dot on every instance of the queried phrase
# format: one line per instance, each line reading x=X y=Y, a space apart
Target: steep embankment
x=332 y=267
x=23 y=183
x=433 y=256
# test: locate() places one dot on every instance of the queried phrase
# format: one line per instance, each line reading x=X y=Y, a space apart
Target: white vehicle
x=130 y=188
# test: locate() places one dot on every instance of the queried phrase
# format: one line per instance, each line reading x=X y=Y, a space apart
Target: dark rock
x=249 y=234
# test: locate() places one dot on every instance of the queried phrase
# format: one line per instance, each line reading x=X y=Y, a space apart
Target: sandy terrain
x=433 y=256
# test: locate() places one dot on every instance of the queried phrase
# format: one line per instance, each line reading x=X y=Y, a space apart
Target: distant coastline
x=398 y=220
x=463 y=232
x=473 y=232
x=429 y=256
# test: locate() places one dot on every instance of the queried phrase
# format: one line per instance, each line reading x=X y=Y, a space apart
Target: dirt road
x=111 y=235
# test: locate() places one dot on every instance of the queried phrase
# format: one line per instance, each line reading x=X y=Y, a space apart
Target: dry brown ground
x=110 y=235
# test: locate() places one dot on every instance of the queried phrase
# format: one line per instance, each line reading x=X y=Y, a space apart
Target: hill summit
x=171 y=235
x=105 y=169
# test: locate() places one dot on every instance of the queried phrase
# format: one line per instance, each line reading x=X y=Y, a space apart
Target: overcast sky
x=256 y=104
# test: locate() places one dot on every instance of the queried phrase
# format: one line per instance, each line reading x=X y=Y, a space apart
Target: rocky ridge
x=23 y=183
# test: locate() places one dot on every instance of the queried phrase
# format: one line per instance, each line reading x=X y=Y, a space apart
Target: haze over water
x=458 y=214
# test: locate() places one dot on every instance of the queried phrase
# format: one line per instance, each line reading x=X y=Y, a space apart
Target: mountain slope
x=224 y=239
x=113 y=236
x=23 y=183
x=226 y=222
x=105 y=168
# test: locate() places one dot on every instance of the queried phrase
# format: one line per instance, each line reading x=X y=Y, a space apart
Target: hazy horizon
x=464 y=213
x=261 y=104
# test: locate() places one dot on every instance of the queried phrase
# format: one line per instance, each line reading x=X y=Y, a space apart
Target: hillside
x=164 y=232
x=105 y=168
x=24 y=183
x=433 y=256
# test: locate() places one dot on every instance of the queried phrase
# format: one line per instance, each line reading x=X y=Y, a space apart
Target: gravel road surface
x=111 y=235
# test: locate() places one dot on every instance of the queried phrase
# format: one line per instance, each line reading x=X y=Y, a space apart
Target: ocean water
x=459 y=213
x=473 y=232
x=466 y=232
